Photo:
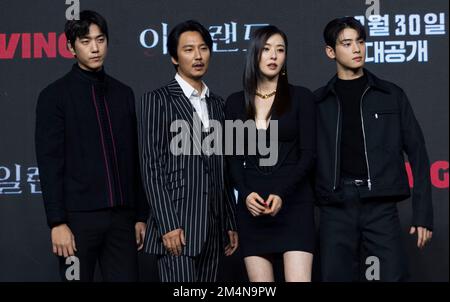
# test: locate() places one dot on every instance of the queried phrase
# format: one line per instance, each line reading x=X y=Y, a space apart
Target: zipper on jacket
x=378 y=115
x=337 y=138
x=369 y=181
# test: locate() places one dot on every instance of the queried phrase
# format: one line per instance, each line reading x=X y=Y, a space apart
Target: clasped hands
x=258 y=206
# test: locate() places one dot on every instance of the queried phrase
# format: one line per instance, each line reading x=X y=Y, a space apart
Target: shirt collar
x=188 y=90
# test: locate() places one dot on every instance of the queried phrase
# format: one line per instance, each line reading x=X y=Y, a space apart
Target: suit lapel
x=180 y=102
x=185 y=112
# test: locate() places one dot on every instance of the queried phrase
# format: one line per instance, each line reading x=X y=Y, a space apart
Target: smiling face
x=90 y=50
x=349 y=52
x=193 y=56
x=273 y=57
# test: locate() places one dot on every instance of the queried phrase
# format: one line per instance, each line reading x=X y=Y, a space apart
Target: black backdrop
x=408 y=46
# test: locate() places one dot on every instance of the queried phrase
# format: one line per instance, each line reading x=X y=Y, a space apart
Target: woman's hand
x=274 y=204
x=255 y=204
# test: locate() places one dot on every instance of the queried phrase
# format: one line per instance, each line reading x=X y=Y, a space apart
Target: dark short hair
x=80 y=28
x=252 y=72
x=177 y=31
x=335 y=27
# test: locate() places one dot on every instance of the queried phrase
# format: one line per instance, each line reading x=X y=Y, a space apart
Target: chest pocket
x=386 y=130
x=381 y=114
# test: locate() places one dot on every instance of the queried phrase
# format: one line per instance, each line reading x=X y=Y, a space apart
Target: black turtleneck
x=98 y=76
x=353 y=160
x=99 y=88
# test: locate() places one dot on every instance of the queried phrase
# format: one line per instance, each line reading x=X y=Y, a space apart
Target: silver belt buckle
x=358 y=182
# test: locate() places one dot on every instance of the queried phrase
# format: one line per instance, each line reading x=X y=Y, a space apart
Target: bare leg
x=297 y=266
x=259 y=269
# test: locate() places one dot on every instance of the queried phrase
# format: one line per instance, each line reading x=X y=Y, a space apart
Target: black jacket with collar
x=390 y=129
x=70 y=146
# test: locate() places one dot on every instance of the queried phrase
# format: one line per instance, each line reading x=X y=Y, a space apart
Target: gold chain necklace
x=267 y=95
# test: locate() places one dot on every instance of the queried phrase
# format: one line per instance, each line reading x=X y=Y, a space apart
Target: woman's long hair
x=252 y=73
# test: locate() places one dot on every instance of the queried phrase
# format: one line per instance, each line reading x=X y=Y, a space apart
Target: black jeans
x=106 y=236
x=352 y=231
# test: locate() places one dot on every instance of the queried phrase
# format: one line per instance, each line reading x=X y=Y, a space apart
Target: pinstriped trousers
x=201 y=268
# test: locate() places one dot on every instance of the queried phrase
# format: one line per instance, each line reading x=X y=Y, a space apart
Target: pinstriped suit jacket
x=178 y=187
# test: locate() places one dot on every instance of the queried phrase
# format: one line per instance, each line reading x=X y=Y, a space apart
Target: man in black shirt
x=364 y=125
x=86 y=146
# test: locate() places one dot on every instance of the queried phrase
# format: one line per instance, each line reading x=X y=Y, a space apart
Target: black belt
x=356 y=182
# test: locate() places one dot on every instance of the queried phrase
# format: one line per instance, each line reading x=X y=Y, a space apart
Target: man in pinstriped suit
x=191 y=204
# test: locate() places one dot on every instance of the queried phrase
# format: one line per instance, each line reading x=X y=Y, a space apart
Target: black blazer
x=296 y=145
x=69 y=148
x=178 y=188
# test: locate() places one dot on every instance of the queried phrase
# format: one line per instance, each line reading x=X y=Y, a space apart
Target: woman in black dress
x=275 y=208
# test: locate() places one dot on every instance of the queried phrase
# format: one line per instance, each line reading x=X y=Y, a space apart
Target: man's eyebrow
x=192 y=45
x=90 y=38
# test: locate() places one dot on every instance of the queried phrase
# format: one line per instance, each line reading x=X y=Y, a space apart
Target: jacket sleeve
x=414 y=146
x=228 y=194
x=230 y=201
x=235 y=163
x=154 y=148
x=141 y=206
x=307 y=145
x=49 y=140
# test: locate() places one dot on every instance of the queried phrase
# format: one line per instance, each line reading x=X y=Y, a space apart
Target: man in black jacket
x=365 y=124
x=87 y=152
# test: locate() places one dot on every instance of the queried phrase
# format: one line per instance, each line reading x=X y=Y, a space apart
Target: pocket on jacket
x=174 y=184
x=380 y=114
x=384 y=128
x=176 y=189
x=175 y=175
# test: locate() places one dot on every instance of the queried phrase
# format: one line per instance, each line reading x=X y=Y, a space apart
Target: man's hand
x=423 y=235
x=63 y=241
x=274 y=204
x=233 y=244
x=255 y=204
x=174 y=241
x=140 y=228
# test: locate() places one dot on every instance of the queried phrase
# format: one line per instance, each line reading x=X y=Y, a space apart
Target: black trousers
x=107 y=237
x=357 y=229
x=200 y=268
